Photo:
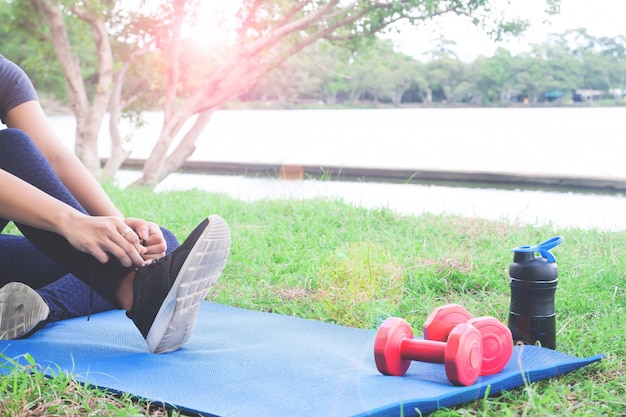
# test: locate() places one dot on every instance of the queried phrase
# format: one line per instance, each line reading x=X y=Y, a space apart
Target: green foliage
x=358 y=284
x=332 y=73
x=26 y=42
x=153 y=26
x=27 y=390
x=379 y=74
x=356 y=67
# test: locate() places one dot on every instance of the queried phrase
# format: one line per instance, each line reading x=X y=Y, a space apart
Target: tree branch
x=292 y=12
x=247 y=20
x=103 y=48
x=174 y=62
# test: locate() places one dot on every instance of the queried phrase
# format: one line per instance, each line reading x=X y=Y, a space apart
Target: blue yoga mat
x=246 y=363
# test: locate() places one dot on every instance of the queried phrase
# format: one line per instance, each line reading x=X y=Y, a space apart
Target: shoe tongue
x=151 y=285
x=151 y=282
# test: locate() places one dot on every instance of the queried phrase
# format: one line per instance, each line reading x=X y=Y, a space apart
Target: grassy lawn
x=333 y=262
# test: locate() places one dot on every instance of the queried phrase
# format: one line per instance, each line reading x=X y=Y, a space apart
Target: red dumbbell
x=496 y=337
x=395 y=348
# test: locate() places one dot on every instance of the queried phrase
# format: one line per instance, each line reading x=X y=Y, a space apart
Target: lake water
x=576 y=142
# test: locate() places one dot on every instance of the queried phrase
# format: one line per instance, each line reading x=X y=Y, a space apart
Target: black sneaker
x=22 y=311
x=168 y=292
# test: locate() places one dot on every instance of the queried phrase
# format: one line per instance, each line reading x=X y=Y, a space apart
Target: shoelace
x=91 y=279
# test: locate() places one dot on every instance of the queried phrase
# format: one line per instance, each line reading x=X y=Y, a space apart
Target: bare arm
x=98 y=236
x=31 y=119
x=98 y=232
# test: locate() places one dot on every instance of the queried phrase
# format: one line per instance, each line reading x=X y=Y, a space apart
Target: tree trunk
x=173 y=120
x=158 y=165
x=86 y=147
x=153 y=166
x=186 y=147
x=118 y=153
x=238 y=75
x=88 y=116
x=396 y=96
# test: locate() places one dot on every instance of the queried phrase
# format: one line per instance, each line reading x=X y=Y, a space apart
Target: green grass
x=330 y=261
x=26 y=391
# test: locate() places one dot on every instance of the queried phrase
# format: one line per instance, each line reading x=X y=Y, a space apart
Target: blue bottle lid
x=542 y=248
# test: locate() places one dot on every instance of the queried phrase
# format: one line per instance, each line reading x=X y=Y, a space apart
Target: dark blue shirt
x=15 y=87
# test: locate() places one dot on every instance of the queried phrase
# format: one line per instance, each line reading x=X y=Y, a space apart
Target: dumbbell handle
x=395 y=348
x=423 y=350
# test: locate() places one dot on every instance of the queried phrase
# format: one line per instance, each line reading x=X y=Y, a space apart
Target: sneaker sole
x=21 y=310
x=177 y=316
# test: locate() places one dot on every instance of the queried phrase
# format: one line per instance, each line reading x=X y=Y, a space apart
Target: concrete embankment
x=440 y=177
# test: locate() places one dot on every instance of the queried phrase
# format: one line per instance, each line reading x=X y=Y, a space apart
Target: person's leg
x=69 y=297
x=164 y=295
x=23 y=262
x=20 y=157
x=43 y=257
x=167 y=293
x=65 y=294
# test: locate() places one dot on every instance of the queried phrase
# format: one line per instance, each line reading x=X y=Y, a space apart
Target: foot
x=168 y=292
x=21 y=311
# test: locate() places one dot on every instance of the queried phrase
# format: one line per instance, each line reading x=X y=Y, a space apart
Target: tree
x=332 y=63
x=530 y=77
x=88 y=113
x=444 y=75
x=603 y=60
x=19 y=30
x=267 y=33
x=294 y=80
x=264 y=35
x=495 y=77
x=387 y=74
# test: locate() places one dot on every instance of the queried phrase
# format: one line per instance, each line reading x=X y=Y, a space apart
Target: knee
x=16 y=147
x=11 y=135
x=170 y=239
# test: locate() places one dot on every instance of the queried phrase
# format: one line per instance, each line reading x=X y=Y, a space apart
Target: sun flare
x=212 y=25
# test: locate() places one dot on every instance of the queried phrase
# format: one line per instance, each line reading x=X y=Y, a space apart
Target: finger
x=135 y=257
x=155 y=250
x=154 y=229
x=127 y=253
x=140 y=227
x=155 y=234
x=131 y=236
x=151 y=256
x=100 y=255
x=155 y=244
x=122 y=257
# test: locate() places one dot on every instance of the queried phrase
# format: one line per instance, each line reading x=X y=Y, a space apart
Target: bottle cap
x=542 y=248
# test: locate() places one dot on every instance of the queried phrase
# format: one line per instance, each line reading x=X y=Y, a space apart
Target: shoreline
x=479 y=179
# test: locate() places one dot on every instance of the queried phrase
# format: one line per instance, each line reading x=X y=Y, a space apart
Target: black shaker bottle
x=533 y=281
